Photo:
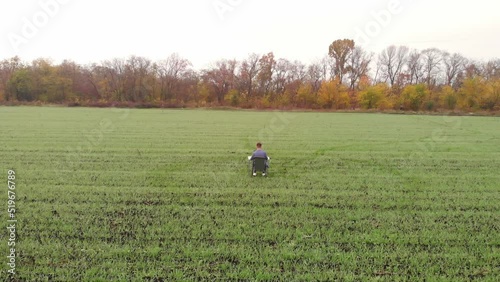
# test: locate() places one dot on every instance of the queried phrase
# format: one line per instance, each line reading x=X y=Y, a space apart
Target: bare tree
x=137 y=73
x=415 y=67
x=248 y=73
x=170 y=73
x=297 y=71
x=79 y=79
x=358 y=66
x=296 y=77
x=281 y=74
x=327 y=65
x=92 y=74
x=114 y=77
x=472 y=69
x=432 y=65
x=379 y=77
x=221 y=78
x=491 y=69
x=392 y=61
x=453 y=66
x=288 y=76
x=315 y=76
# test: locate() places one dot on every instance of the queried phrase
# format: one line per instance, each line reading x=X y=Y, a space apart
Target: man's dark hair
x=259 y=145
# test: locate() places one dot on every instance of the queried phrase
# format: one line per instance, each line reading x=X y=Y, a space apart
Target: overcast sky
x=204 y=31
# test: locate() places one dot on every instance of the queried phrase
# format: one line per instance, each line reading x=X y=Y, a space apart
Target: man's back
x=259 y=154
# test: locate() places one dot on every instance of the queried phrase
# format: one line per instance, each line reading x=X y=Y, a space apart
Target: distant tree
x=375 y=97
x=492 y=99
x=97 y=77
x=481 y=93
x=296 y=77
x=432 y=59
x=267 y=65
x=305 y=96
x=415 y=67
x=20 y=86
x=232 y=97
x=248 y=71
x=80 y=80
x=281 y=76
x=112 y=80
x=453 y=67
x=171 y=74
x=341 y=50
x=327 y=65
x=288 y=77
x=7 y=68
x=448 y=98
x=139 y=87
x=314 y=76
x=45 y=83
x=414 y=96
x=491 y=69
x=471 y=93
x=358 y=65
x=333 y=95
x=471 y=69
x=221 y=79
x=392 y=61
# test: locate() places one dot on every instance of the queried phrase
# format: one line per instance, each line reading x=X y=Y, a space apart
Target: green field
x=166 y=195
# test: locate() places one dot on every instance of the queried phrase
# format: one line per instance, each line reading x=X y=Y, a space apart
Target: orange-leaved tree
x=341 y=50
x=333 y=95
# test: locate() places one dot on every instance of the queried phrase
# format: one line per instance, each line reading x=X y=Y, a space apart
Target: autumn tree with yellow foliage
x=333 y=95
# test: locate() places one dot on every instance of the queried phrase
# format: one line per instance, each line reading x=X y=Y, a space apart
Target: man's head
x=259 y=145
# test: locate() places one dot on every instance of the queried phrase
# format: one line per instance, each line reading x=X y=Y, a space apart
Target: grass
x=165 y=195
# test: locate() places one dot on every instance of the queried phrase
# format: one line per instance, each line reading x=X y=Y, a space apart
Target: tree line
x=346 y=78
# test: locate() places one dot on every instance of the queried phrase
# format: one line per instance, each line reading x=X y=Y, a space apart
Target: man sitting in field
x=259 y=154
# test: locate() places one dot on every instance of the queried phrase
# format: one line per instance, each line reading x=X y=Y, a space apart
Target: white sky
x=91 y=31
